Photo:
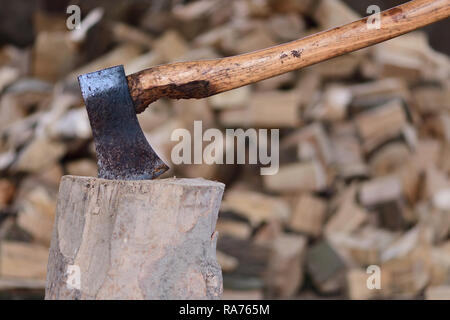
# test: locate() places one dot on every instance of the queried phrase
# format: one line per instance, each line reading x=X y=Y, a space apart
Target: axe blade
x=123 y=152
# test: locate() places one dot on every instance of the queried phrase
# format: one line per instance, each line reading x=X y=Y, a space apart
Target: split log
x=256 y=207
x=438 y=293
x=253 y=264
x=348 y=216
x=285 y=272
x=21 y=260
x=332 y=13
x=326 y=267
x=259 y=112
x=302 y=176
x=308 y=215
x=381 y=124
x=385 y=195
x=149 y=239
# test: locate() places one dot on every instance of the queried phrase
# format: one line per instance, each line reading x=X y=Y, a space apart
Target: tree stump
x=147 y=239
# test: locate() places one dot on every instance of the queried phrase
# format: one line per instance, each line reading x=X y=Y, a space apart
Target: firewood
x=340 y=67
x=332 y=106
x=427 y=153
x=104 y=210
x=308 y=215
x=434 y=181
x=312 y=144
x=17 y=58
x=403 y=245
x=253 y=263
x=53 y=56
x=157 y=115
x=23 y=260
x=7 y=191
x=48 y=21
x=349 y=215
x=410 y=57
x=268 y=232
x=259 y=112
x=82 y=167
x=439 y=125
x=385 y=195
x=160 y=138
x=389 y=158
x=227 y=262
x=441 y=200
x=125 y=33
x=39 y=154
x=278 y=82
x=255 y=40
x=326 y=267
x=289 y=6
x=285 y=271
x=221 y=38
x=431 y=99
x=380 y=124
x=377 y=92
x=36 y=211
x=256 y=207
x=439 y=263
x=286 y=27
x=357 y=285
x=347 y=152
x=78 y=35
x=200 y=54
x=51 y=176
x=18 y=284
x=434 y=221
x=405 y=277
x=307 y=87
x=233 y=228
x=229 y=294
x=332 y=13
x=20 y=98
x=144 y=61
x=305 y=176
x=237 y=98
x=363 y=247
x=120 y=55
x=438 y=293
x=7 y=76
x=170 y=46
x=74 y=124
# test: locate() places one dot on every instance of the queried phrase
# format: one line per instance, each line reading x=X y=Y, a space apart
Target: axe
x=113 y=99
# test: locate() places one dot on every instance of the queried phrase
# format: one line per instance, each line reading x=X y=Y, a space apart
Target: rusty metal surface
x=123 y=152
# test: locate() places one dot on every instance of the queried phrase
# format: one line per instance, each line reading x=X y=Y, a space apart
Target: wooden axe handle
x=200 y=79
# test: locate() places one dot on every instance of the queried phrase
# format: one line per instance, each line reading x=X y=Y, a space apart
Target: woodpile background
x=364 y=144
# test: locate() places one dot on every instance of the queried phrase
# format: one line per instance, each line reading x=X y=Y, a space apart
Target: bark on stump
x=149 y=239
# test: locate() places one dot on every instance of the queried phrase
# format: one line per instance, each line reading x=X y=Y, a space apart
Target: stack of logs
x=364 y=147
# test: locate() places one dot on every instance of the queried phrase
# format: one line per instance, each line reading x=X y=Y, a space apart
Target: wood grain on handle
x=200 y=79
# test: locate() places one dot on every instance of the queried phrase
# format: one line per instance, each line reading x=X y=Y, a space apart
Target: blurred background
x=364 y=142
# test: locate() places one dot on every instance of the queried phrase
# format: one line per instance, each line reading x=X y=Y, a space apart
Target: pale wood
x=308 y=215
x=22 y=260
x=148 y=239
x=256 y=207
x=302 y=176
x=259 y=111
x=378 y=125
x=438 y=293
x=199 y=79
x=348 y=216
x=285 y=271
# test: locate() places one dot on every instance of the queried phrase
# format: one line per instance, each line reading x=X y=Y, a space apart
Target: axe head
x=123 y=153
